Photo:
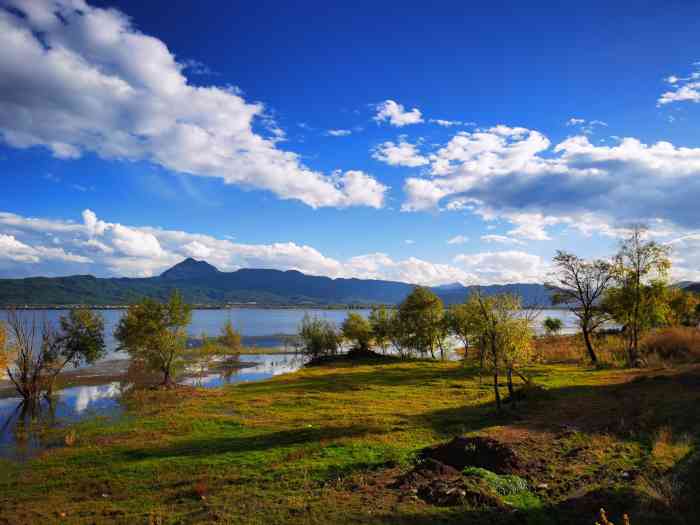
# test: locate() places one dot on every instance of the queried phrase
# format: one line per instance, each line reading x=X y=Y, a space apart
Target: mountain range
x=203 y=284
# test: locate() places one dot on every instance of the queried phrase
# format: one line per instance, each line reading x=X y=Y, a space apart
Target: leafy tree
x=230 y=338
x=358 y=330
x=462 y=320
x=552 y=325
x=80 y=341
x=641 y=270
x=380 y=320
x=580 y=285
x=319 y=337
x=683 y=307
x=155 y=334
x=420 y=317
x=506 y=336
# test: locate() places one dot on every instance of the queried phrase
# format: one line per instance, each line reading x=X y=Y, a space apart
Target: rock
x=481 y=452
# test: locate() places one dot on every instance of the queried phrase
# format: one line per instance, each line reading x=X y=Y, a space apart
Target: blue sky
x=450 y=143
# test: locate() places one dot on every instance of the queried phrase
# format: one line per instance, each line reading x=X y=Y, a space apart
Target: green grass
x=320 y=446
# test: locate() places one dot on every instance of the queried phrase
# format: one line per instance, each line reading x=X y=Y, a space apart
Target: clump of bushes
x=675 y=344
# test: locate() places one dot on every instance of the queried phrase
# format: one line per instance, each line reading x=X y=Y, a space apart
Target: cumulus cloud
x=515 y=174
x=449 y=123
x=506 y=266
x=106 y=248
x=401 y=154
x=396 y=114
x=681 y=89
x=76 y=79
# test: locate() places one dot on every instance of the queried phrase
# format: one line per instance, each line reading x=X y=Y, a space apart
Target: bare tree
x=580 y=285
x=29 y=342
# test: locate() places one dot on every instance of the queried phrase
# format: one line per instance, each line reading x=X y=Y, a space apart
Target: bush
x=677 y=344
x=318 y=337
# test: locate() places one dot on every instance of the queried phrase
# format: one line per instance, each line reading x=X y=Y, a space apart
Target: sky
x=457 y=142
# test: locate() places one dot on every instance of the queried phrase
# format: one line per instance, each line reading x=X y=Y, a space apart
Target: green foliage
x=683 y=308
x=155 y=333
x=358 y=330
x=380 y=320
x=230 y=338
x=513 y=489
x=552 y=325
x=419 y=325
x=638 y=300
x=319 y=337
x=81 y=337
x=463 y=320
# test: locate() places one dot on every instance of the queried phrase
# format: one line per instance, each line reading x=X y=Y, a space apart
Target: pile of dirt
x=482 y=452
x=440 y=484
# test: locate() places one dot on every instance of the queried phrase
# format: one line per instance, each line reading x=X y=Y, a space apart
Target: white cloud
x=99 y=85
x=458 y=239
x=409 y=241
x=104 y=248
x=515 y=174
x=500 y=239
x=396 y=114
x=339 y=132
x=448 y=123
x=506 y=266
x=401 y=154
x=683 y=89
x=587 y=127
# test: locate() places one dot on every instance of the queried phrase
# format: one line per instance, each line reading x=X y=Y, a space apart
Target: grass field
x=323 y=445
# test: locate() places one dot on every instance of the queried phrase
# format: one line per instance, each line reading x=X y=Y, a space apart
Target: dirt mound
x=481 y=452
x=440 y=484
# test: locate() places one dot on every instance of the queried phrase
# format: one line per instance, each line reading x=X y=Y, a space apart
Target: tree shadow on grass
x=258 y=442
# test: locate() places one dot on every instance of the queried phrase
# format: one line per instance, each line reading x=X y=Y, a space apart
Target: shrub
x=677 y=344
x=318 y=337
x=552 y=325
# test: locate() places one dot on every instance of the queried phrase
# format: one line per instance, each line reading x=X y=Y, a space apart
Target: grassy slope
x=320 y=445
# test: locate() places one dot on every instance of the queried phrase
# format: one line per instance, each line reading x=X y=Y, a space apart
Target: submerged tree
x=155 y=334
x=580 y=285
x=637 y=302
x=358 y=330
x=41 y=351
x=3 y=345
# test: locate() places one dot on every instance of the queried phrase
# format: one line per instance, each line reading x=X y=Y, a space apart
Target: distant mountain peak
x=189 y=269
x=449 y=286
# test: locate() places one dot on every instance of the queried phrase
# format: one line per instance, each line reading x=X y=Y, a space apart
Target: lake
x=258 y=326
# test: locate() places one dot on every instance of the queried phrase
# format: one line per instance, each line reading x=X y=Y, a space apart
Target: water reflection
x=263 y=367
x=23 y=430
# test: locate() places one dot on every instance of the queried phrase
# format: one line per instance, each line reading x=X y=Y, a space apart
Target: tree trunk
x=495 y=389
x=511 y=390
x=589 y=346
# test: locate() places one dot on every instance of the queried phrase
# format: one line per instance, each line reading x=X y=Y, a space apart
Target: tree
x=683 y=307
x=80 y=341
x=358 y=330
x=421 y=317
x=581 y=286
x=155 y=334
x=506 y=336
x=42 y=352
x=640 y=270
x=462 y=320
x=552 y=325
x=380 y=320
x=318 y=337
x=230 y=338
